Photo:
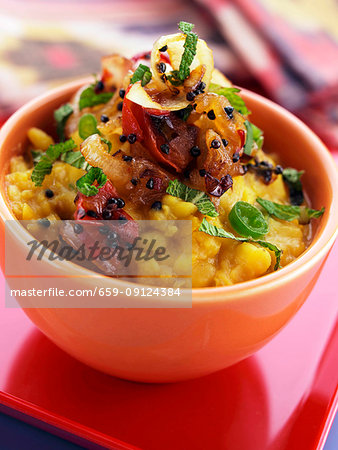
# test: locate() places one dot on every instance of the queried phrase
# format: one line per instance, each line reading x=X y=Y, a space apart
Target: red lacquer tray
x=285 y=396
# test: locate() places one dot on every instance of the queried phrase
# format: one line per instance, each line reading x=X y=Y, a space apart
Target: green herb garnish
x=277 y=251
x=257 y=135
x=231 y=94
x=184 y=113
x=143 y=74
x=293 y=176
x=189 y=53
x=85 y=183
x=212 y=230
x=61 y=115
x=88 y=97
x=108 y=143
x=87 y=126
x=290 y=212
x=186 y=27
x=36 y=156
x=247 y=220
x=249 y=138
x=292 y=179
x=75 y=159
x=177 y=77
x=198 y=198
x=46 y=161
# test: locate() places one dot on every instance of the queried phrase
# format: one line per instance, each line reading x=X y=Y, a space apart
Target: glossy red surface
x=282 y=397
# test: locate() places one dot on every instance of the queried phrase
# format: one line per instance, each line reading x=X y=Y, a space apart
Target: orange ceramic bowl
x=225 y=324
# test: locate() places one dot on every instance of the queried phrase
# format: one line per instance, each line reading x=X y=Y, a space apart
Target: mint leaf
x=283 y=212
x=292 y=178
x=198 y=198
x=212 y=230
x=87 y=126
x=289 y=212
x=173 y=78
x=277 y=251
x=46 y=161
x=231 y=94
x=107 y=142
x=257 y=135
x=61 y=115
x=88 y=97
x=190 y=47
x=75 y=159
x=313 y=213
x=185 y=27
x=177 y=77
x=253 y=134
x=249 y=138
x=85 y=183
x=143 y=74
x=184 y=113
x=36 y=156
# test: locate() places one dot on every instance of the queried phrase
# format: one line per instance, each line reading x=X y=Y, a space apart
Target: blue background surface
x=16 y=435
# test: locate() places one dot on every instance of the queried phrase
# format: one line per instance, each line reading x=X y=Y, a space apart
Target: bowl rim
x=316 y=251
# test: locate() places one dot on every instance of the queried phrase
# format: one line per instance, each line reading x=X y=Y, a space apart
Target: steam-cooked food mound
x=161 y=136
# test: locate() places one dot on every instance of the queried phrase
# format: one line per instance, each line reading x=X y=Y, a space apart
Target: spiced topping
x=107 y=214
x=131 y=138
x=195 y=151
x=120 y=203
x=49 y=193
x=217 y=187
x=122 y=220
x=92 y=213
x=161 y=67
x=229 y=111
x=156 y=205
x=78 y=229
x=190 y=96
x=150 y=183
x=262 y=169
x=165 y=149
x=215 y=143
x=235 y=157
x=99 y=86
x=211 y=115
x=201 y=86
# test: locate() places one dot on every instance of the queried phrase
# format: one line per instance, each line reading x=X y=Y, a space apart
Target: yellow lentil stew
x=167 y=136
